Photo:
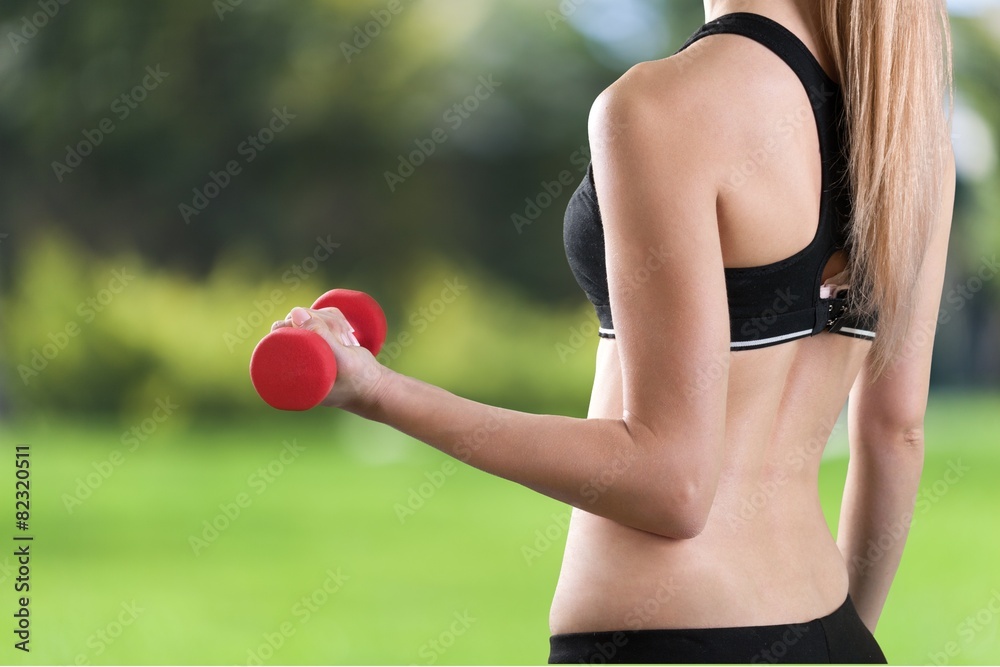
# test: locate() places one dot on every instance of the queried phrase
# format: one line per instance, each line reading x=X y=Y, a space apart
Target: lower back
x=767 y=555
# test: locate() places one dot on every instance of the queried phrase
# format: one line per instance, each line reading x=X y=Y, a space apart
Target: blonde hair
x=894 y=62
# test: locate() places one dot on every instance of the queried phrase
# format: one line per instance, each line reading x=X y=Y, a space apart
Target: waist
x=758 y=572
x=839 y=636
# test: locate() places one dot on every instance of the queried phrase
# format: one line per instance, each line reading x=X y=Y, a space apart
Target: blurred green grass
x=333 y=509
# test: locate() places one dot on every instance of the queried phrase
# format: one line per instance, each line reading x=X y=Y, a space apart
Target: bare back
x=766 y=555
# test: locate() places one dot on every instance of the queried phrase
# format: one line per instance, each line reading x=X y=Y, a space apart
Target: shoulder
x=704 y=100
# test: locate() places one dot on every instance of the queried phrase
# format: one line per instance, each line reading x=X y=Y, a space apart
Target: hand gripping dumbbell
x=294 y=369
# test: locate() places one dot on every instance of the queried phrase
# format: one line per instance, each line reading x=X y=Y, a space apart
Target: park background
x=146 y=245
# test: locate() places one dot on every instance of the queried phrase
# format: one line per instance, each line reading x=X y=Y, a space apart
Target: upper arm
x=893 y=405
x=657 y=186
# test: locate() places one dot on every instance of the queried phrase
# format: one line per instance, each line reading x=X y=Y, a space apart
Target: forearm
x=877 y=508
x=593 y=464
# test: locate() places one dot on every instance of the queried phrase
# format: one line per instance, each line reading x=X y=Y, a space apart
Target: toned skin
x=694 y=477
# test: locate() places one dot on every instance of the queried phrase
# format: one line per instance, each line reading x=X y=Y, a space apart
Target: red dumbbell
x=294 y=369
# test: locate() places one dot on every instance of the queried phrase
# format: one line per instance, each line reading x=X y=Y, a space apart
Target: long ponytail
x=894 y=62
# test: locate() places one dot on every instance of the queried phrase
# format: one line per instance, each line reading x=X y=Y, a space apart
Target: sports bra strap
x=782 y=42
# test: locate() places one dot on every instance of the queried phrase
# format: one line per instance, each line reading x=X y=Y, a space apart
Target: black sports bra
x=770 y=304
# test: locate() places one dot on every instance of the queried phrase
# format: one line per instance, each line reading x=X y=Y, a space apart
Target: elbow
x=685 y=529
x=889 y=454
x=683 y=514
x=896 y=444
x=902 y=451
x=912 y=440
x=890 y=425
x=679 y=491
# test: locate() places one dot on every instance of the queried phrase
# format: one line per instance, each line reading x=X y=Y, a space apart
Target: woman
x=733 y=328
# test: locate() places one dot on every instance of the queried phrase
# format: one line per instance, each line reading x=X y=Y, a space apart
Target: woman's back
x=766 y=555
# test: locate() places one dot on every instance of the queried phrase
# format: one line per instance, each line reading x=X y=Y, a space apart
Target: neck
x=801 y=11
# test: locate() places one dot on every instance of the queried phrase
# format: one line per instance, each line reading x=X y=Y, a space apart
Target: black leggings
x=840 y=637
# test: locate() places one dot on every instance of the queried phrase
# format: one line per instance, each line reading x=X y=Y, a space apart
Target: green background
x=477 y=545
x=87 y=358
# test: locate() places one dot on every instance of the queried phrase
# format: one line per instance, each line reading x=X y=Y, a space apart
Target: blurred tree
x=199 y=132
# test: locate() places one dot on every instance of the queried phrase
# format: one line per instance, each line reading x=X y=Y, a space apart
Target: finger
x=303 y=318
x=335 y=320
x=334 y=317
x=315 y=321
